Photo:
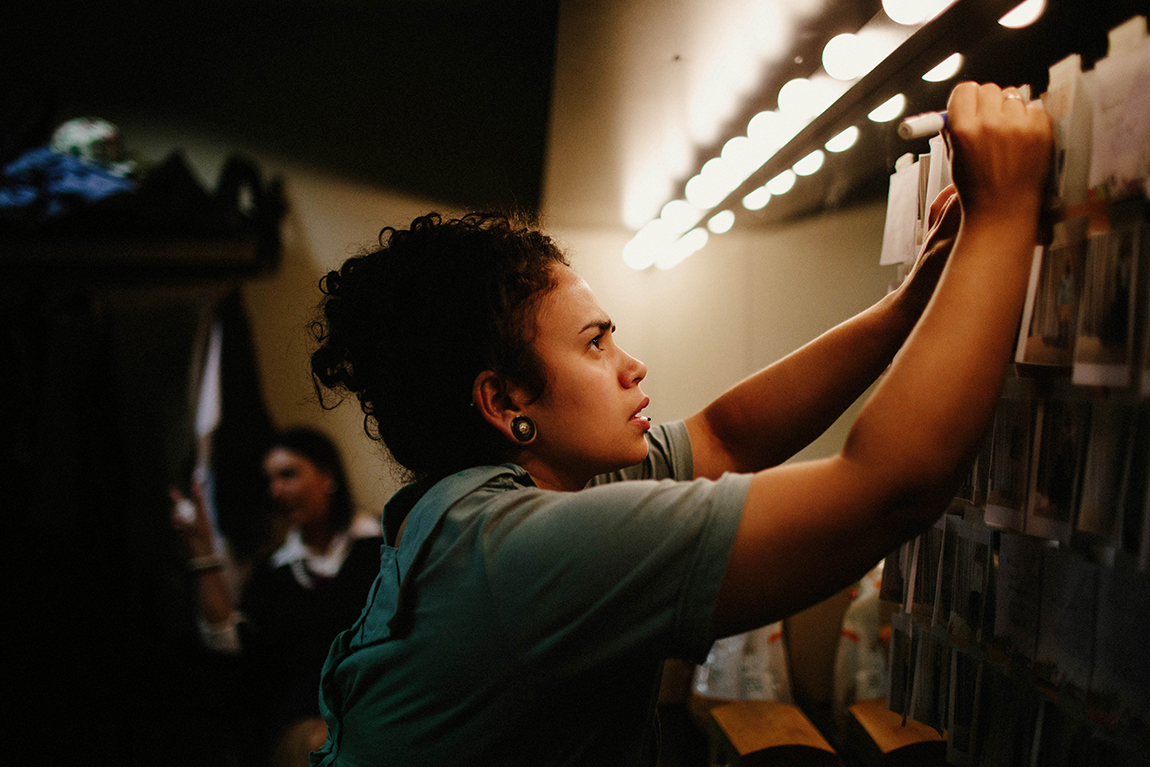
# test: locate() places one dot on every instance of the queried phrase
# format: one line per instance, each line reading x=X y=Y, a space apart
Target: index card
x=1067 y=102
x=1009 y=481
x=1067 y=612
x=898 y=246
x=1050 y=320
x=1120 y=152
x=1017 y=592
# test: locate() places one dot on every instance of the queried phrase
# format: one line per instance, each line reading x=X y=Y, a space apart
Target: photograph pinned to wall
x=972 y=492
x=972 y=561
x=898 y=237
x=1121 y=680
x=896 y=566
x=1066 y=628
x=1004 y=734
x=1017 y=593
x=1067 y=102
x=901 y=658
x=1105 y=472
x=1104 y=347
x=944 y=599
x=930 y=683
x=1119 y=161
x=1062 y=738
x=922 y=206
x=1009 y=477
x=962 y=709
x=1050 y=319
x=1136 y=494
x=930 y=551
x=1061 y=428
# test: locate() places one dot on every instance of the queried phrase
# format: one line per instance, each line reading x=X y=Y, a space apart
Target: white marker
x=920 y=126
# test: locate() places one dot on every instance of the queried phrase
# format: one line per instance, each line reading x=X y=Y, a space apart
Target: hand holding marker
x=930 y=123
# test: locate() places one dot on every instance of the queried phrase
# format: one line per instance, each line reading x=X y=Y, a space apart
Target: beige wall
x=745 y=300
x=742 y=302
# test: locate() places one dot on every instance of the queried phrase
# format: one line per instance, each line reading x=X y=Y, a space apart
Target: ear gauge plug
x=523 y=428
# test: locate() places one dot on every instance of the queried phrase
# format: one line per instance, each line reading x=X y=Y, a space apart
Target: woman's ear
x=495 y=401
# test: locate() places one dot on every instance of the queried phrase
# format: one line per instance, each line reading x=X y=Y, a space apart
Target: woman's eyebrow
x=602 y=325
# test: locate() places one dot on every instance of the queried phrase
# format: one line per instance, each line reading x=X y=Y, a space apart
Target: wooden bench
x=877 y=737
x=754 y=733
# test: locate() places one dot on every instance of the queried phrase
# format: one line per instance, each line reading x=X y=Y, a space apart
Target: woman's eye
x=597 y=341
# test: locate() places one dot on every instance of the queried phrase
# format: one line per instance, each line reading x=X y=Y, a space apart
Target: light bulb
x=782 y=183
x=722 y=221
x=841 y=57
x=757 y=199
x=889 y=109
x=809 y=164
x=843 y=141
x=1023 y=15
x=945 y=69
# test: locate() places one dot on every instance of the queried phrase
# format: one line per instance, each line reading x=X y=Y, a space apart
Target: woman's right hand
x=196 y=528
x=1001 y=150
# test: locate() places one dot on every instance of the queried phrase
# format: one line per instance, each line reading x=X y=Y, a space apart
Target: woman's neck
x=317 y=537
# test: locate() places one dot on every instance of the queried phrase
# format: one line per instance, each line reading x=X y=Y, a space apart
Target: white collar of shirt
x=305 y=562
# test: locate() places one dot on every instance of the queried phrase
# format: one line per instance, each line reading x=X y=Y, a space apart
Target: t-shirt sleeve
x=611 y=570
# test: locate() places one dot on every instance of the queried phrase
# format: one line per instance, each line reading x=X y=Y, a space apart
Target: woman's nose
x=633 y=371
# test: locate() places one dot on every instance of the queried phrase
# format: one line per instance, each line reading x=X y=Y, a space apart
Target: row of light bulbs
x=678 y=231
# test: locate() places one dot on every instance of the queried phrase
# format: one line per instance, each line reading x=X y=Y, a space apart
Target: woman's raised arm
x=808 y=529
x=768 y=417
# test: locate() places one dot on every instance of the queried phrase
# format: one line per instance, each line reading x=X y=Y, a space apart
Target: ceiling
x=524 y=103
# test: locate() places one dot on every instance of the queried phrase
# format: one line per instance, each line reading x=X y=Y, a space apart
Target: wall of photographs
x=1023 y=630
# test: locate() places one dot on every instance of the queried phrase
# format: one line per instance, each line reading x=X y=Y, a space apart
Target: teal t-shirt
x=516 y=625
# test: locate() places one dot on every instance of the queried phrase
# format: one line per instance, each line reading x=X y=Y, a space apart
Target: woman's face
x=297 y=487
x=588 y=418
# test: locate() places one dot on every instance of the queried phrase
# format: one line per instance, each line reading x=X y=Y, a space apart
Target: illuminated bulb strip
x=810 y=164
x=843 y=141
x=722 y=222
x=1023 y=15
x=946 y=69
x=800 y=102
x=782 y=183
x=758 y=199
x=889 y=109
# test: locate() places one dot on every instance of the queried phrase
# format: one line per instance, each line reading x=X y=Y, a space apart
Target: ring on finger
x=1017 y=96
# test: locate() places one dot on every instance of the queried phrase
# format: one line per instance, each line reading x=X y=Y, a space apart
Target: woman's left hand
x=943 y=222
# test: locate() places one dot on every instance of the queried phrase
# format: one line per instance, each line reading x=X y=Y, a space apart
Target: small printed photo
x=1005 y=733
x=1008 y=483
x=973 y=554
x=892 y=587
x=930 y=686
x=973 y=489
x=1121 y=679
x=1053 y=302
x=1018 y=591
x=1103 y=350
x=1060 y=434
x=962 y=711
x=901 y=657
x=1135 y=534
x=1108 y=453
x=1069 y=604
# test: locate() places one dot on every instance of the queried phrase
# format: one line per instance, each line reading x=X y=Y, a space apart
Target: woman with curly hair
x=554 y=547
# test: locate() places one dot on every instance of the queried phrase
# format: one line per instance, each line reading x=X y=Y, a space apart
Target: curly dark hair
x=408 y=327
